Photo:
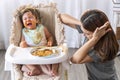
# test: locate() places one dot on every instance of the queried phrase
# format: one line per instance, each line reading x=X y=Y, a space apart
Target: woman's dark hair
x=107 y=46
x=33 y=10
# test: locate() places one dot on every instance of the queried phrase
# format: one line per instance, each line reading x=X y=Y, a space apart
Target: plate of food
x=46 y=52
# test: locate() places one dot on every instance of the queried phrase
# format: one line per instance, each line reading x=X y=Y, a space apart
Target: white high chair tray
x=20 y=55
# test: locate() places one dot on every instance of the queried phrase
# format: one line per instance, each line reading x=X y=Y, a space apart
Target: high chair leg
x=66 y=75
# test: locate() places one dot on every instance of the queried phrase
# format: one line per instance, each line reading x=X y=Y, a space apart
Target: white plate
x=56 y=52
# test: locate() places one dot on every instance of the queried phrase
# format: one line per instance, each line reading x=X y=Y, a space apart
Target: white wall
x=72 y=7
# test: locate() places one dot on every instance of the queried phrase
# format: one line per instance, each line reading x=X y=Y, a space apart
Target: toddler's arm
x=23 y=43
x=49 y=37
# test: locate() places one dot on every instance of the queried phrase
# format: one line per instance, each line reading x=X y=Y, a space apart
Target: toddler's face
x=29 y=20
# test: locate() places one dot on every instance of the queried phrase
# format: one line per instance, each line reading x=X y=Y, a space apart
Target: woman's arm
x=81 y=55
x=69 y=20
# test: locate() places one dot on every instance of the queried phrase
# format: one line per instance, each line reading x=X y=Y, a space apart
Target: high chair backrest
x=49 y=18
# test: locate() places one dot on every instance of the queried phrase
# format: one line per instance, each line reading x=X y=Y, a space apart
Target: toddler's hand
x=23 y=44
x=49 y=43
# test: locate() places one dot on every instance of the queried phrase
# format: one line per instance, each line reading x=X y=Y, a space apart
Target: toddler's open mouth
x=29 y=24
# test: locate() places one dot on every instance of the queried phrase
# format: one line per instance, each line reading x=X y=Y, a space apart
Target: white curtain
x=71 y=7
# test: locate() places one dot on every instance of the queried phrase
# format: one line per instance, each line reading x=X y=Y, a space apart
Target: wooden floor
x=4 y=75
x=76 y=72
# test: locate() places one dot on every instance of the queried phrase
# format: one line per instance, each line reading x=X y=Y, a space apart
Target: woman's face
x=87 y=33
x=29 y=20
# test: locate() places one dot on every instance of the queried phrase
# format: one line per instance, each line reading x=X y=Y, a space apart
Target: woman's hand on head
x=101 y=31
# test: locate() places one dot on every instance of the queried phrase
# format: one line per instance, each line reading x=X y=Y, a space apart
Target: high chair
x=50 y=19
